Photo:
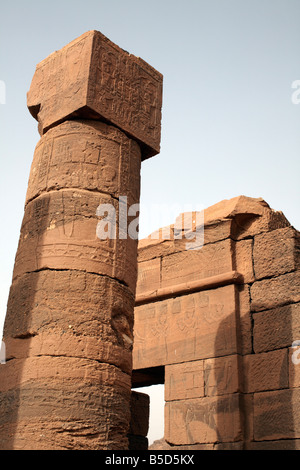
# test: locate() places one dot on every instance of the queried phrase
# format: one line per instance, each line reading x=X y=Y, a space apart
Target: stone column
x=69 y=325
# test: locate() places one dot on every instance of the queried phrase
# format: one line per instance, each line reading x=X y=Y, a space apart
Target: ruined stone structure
x=69 y=325
x=217 y=327
x=215 y=324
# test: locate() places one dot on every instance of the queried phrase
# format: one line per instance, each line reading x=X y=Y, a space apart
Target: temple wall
x=217 y=326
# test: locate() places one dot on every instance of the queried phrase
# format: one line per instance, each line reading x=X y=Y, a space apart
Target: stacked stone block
x=139 y=423
x=225 y=340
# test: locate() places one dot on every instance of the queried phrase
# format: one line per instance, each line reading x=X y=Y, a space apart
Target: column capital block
x=93 y=78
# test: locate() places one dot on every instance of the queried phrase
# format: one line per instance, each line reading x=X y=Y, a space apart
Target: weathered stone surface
x=59 y=231
x=245 y=318
x=73 y=399
x=93 y=78
x=161 y=444
x=276 y=252
x=239 y=445
x=149 y=274
x=67 y=344
x=276 y=328
x=285 y=444
x=139 y=422
x=169 y=270
x=247 y=416
x=265 y=371
x=86 y=155
x=163 y=243
x=69 y=325
x=137 y=442
x=186 y=328
x=277 y=415
x=250 y=216
x=294 y=363
x=47 y=367
x=190 y=287
x=184 y=381
x=242 y=259
x=140 y=410
x=65 y=312
x=192 y=265
x=237 y=218
x=221 y=375
x=271 y=293
x=203 y=420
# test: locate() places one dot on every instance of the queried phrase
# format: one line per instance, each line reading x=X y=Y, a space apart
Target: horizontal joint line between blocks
x=86 y=358
x=93 y=191
x=71 y=270
x=231 y=277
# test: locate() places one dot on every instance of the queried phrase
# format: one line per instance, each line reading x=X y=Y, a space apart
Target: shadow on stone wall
x=256 y=403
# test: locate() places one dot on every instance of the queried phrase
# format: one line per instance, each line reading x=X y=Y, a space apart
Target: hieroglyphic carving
x=185 y=328
x=92 y=78
x=212 y=418
x=80 y=155
x=184 y=380
x=126 y=90
x=59 y=231
x=73 y=291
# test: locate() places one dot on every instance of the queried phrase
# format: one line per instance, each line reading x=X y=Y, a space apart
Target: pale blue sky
x=229 y=125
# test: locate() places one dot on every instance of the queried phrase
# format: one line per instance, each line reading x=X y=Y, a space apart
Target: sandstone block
x=265 y=371
x=93 y=78
x=243 y=259
x=276 y=328
x=67 y=344
x=230 y=208
x=137 y=442
x=67 y=393
x=211 y=260
x=59 y=231
x=276 y=252
x=271 y=293
x=203 y=420
x=69 y=326
x=161 y=444
x=86 y=155
x=294 y=366
x=149 y=248
x=239 y=445
x=277 y=415
x=186 y=328
x=221 y=375
x=247 y=415
x=70 y=307
x=217 y=230
x=236 y=218
x=184 y=381
x=21 y=371
x=245 y=320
